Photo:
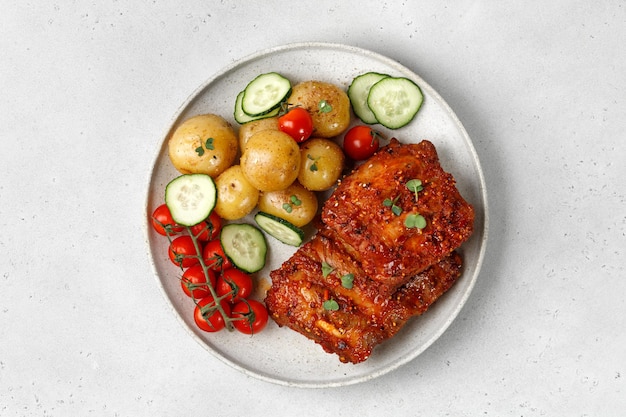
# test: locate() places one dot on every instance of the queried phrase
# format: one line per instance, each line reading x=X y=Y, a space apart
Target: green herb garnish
x=415 y=220
x=415 y=185
x=387 y=202
x=313 y=166
x=331 y=305
x=326 y=269
x=208 y=144
x=295 y=200
x=324 y=107
x=347 y=281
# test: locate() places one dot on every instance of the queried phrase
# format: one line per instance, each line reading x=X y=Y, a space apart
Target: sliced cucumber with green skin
x=279 y=228
x=244 y=245
x=395 y=101
x=191 y=198
x=241 y=117
x=359 y=90
x=265 y=93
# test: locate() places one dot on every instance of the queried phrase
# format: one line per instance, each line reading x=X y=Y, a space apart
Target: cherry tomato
x=297 y=123
x=182 y=252
x=208 y=229
x=361 y=142
x=208 y=317
x=252 y=316
x=163 y=223
x=194 y=282
x=236 y=283
x=214 y=256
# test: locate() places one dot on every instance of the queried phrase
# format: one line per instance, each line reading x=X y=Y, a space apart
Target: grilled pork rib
x=364 y=318
x=395 y=272
x=389 y=252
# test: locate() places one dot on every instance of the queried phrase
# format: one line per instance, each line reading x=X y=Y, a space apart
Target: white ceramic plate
x=281 y=355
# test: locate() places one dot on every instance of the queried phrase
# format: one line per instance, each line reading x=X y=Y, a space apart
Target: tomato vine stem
x=205 y=269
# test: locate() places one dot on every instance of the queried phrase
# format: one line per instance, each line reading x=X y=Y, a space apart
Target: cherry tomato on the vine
x=237 y=284
x=208 y=317
x=194 y=281
x=182 y=252
x=361 y=142
x=250 y=316
x=214 y=256
x=208 y=229
x=162 y=221
x=297 y=123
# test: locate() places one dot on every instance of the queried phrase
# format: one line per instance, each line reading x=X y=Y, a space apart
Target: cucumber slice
x=191 y=198
x=244 y=245
x=395 y=101
x=279 y=228
x=359 y=90
x=265 y=93
x=241 y=117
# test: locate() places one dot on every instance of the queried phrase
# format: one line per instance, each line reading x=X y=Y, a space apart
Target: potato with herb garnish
x=322 y=164
x=328 y=105
x=203 y=144
x=295 y=204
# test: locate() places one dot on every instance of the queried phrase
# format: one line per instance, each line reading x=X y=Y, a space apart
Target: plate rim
x=403 y=360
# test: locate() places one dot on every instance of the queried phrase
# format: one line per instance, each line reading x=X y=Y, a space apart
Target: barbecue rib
x=364 y=318
x=389 y=252
x=397 y=272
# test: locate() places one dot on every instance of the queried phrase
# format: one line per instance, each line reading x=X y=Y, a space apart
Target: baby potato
x=204 y=144
x=236 y=197
x=248 y=129
x=271 y=160
x=322 y=162
x=295 y=204
x=328 y=105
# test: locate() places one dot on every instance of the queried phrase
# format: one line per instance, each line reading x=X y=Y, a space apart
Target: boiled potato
x=295 y=204
x=328 y=105
x=205 y=144
x=322 y=163
x=271 y=160
x=248 y=129
x=236 y=197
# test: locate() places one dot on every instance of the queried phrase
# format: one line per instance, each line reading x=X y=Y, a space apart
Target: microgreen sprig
x=416 y=186
x=347 y=281
x=313 y=166
x=415 y=220
x=324 y=106
x=208 y=144
x=327 y=269
x=388 y=202
x=293 y=201
x=331 y=305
